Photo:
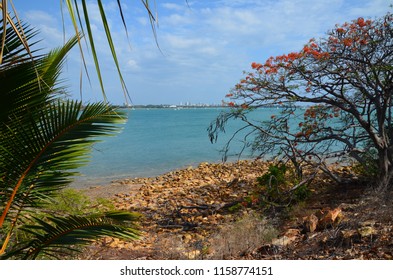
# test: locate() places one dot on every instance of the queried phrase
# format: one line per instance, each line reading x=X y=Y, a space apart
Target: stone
x=187 y=238
x=292 y=232
x=192 y=255
x=330 y=219
x=310 y=223
x=283 y=241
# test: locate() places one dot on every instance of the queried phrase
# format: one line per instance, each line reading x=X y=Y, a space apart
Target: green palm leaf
x=38 y=153
x=75 y=10
x=14 y=50
x=54 y=235
x=18 y=69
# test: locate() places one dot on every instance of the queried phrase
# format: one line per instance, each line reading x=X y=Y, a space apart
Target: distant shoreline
x=192 y=106
x=169 y=106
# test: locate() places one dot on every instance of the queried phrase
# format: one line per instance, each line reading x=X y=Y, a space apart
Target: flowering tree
x=335 y=96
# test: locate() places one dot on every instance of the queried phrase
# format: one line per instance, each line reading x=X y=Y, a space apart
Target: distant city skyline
x=204 y=45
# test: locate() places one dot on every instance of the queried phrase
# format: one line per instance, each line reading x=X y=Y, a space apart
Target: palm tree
x=43 y=139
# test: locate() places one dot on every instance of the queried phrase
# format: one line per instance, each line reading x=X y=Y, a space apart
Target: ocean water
x=155 y=141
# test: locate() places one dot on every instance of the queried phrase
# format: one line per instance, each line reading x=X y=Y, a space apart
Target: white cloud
x=373 y=7
x=177 y=20
x=132 y=65
x=180 y=42
x=173 y=6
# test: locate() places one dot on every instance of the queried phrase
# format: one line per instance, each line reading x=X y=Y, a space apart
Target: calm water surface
x=155 y=141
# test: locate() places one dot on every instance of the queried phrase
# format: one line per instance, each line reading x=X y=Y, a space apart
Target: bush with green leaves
x=279 y=186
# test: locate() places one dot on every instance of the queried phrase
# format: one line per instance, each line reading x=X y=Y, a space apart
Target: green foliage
x=276 y=187
x=75 y=202
x=54 y=236
x=235 y=208
x=301 y=193
x=45 y=138
x=273 y=180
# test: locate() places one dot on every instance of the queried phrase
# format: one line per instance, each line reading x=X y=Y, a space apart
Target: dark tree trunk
x=385 y=170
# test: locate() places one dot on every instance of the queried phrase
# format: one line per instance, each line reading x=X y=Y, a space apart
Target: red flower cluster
x=312 y=49
x=344 y=38
x=256 y=66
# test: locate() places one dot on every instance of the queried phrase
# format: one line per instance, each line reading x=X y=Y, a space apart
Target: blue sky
x=205 y=45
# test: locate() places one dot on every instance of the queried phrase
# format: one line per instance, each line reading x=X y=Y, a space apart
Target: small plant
x=277 y=187
x=235 y=208
x=275 y=175
x=301 y=193
x=273 y=182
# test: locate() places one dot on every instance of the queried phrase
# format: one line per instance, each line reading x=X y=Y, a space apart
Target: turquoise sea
x=155 y=141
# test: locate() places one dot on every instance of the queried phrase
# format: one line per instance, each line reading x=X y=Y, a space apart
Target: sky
x=204 y=45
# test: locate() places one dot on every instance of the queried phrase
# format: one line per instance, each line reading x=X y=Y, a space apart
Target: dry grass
x=241 y=237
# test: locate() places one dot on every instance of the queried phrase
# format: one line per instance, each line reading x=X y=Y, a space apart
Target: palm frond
x=92 y=46
x=8 y=20
x=42 y=139
x=112 y=46
x=14 y=50
x=53 y=235
x=30 y=84
x=40 y=153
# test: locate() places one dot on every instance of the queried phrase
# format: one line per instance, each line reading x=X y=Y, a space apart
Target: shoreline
x=85 y=181
x=203 y=173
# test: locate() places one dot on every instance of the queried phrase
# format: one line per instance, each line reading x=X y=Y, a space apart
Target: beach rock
x=283 y=241
x=322 y=219
x=292 y=232
x=310 y=223
x=193 y=255
x=289 y=236
x=329 y=218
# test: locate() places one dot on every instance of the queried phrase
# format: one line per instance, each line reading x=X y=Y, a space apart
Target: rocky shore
x=182 y=209
x=199 y=213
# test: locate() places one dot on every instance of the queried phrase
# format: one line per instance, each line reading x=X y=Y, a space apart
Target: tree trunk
x=385 y=171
